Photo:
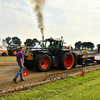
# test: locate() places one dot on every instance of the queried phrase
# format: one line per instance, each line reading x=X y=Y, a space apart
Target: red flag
x=25 y=73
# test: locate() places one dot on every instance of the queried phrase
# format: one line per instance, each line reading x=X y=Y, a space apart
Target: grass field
x=8 y=58
x=79 y=87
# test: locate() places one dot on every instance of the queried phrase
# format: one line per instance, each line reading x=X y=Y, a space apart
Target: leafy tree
x=90 y=45
x=28 y=42
x=98 y=45
x=85 y=45
x=16 y=40
x=7 y=40
x=78 y=45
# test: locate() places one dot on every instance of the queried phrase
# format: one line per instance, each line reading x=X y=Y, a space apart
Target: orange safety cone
x=82 y=73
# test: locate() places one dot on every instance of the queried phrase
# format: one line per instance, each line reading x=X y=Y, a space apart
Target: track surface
x=7 y=56
x=9 y=68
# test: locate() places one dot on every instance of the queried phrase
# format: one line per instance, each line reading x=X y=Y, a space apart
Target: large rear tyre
x=43 y=62
x=67 y=61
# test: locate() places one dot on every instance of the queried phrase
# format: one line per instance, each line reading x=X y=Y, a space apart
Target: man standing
x=20 y=61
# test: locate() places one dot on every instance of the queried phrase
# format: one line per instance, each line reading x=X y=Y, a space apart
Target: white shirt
x=37 y=46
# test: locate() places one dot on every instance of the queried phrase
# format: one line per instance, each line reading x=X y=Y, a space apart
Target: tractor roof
x=53 y=39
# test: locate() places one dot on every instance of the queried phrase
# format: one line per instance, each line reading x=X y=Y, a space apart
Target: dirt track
x=8 y=70
x=7 y=56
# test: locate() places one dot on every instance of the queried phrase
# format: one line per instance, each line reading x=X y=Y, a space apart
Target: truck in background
x=3 y=48
x=3 y=51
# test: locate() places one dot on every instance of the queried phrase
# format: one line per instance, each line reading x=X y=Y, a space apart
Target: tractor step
x=55 y=61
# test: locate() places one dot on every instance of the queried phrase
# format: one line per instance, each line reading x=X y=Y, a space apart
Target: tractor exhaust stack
x=42 y=41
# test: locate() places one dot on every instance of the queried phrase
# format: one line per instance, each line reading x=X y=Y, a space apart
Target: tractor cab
x=54 y=46
x=54 y=43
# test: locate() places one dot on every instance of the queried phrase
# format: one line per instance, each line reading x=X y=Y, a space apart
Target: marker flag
x=25 y=73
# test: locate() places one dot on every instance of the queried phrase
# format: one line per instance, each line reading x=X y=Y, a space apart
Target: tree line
x=31 y=42
x=16 y=40
x=84 y=45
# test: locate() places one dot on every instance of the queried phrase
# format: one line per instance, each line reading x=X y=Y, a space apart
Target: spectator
x=37 y=46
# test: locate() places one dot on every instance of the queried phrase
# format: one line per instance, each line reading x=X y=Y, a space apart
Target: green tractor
x=51 y=54
x=13 y=49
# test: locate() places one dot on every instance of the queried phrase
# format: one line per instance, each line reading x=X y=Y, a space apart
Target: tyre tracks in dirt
x=8 y=70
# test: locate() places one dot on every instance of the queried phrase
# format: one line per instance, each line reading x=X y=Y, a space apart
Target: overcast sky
x=75 y=20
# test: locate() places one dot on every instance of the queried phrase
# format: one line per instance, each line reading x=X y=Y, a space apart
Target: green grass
x=8 y=58
x=79 y=87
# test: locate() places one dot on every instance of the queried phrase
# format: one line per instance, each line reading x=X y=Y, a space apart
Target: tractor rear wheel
x=43 y=62
x=66 y=61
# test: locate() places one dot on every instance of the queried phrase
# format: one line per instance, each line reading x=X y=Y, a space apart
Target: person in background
x=20 y=61
x=56 y=45
x=37 y=46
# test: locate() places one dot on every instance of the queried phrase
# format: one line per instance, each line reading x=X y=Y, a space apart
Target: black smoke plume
x=38 y=8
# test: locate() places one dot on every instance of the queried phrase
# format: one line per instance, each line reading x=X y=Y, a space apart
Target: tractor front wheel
x=43 y=62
